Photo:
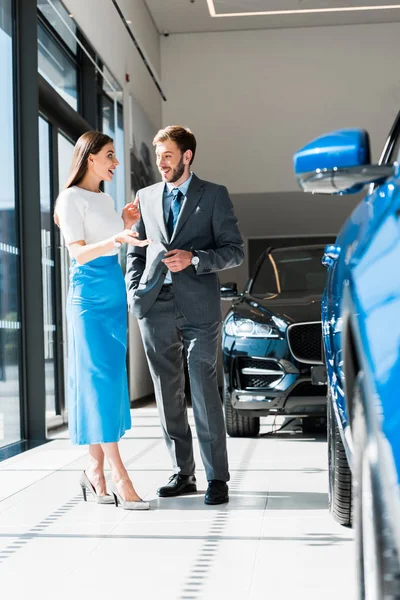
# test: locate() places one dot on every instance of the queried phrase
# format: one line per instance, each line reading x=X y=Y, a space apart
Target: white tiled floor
x=275 y=539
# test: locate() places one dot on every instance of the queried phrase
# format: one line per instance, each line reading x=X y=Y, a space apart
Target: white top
x=87 y=216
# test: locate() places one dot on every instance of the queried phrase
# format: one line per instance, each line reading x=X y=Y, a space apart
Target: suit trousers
x=166 y=334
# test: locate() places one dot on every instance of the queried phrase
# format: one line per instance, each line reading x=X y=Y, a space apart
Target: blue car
x=361 y=333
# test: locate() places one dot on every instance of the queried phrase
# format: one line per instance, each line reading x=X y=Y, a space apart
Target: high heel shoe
x=88 y=487
x=127 y=505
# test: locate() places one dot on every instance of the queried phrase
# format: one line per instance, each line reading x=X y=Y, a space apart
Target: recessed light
x=129 y=22
x=300 y=11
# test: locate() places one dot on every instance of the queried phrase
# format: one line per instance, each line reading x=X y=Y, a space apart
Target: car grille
x=305 y=342
x=250 y=374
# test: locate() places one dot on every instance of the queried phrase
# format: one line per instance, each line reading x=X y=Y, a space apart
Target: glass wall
x=10 y=320
x=59 y=17
x=48 y=263
x=65 y=151
x=57 y=68
x=113 y=125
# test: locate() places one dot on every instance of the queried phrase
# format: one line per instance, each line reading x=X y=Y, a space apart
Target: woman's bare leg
x=95 y=469
x=119 y=474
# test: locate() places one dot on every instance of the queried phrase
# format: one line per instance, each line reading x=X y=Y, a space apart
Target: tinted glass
x=10 y=321
x=116 y=187
x=57 y=16
x=65 y=152
x=290 y=270
x=110 y=187
x=46 y=210
x=57 y=68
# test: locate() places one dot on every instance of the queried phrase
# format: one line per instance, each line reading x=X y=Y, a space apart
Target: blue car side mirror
x=338 y=163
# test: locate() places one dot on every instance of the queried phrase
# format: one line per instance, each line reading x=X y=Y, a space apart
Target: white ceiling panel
x=189 y=16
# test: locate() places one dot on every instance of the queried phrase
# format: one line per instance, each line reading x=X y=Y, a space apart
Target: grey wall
x=291 y=213
x=255 y=97
x=283 y=214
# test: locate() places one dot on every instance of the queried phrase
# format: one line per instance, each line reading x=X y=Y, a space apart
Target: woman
x=98 y=401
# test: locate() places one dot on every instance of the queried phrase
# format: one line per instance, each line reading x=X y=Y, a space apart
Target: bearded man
x=173 y=290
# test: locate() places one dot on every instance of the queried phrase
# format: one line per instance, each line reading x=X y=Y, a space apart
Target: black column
x=88 y=90
x=30 y=220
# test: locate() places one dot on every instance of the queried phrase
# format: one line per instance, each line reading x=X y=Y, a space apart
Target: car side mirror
x=229 y=291
x=338 y=163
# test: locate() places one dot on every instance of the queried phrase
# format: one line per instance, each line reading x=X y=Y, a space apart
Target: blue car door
x=375 y=293
x=338 y=272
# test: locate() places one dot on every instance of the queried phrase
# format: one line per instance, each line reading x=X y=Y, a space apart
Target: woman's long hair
x=90 y=142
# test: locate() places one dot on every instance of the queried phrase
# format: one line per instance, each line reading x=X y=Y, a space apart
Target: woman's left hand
x=131 y=213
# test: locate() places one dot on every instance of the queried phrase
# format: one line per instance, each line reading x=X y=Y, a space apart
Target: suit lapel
x=194 y=193
x=158 y=210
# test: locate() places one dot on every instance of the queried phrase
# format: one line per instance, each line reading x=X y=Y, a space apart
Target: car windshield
x=290 y=270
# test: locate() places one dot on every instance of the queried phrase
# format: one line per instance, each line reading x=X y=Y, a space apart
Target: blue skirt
x=98 y=400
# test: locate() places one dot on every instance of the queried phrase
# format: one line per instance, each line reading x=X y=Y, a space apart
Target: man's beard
x=178 y=171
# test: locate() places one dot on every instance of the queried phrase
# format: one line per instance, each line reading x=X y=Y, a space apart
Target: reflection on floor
x=275 y=539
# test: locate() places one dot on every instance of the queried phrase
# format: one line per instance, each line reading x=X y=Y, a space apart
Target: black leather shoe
x=178 y=485
x=217 y=492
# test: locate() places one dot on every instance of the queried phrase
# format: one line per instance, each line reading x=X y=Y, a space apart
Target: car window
x=290 y=270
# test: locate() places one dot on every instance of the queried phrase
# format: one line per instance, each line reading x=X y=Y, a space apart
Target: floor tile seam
x=23 y=489
x=33 y=532
x=24 y=536
x=128 y=462
x=143 y=452
x=49 y=473
x=52 y=471
x=217 y=537
x=101 y=540
x=65 y=467
x=38 y=450
x=255 y=560
x=214 y=534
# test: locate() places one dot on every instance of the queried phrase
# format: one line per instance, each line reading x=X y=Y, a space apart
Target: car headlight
x=246 y=328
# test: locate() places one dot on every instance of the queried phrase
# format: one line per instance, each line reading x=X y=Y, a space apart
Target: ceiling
x=190 y=16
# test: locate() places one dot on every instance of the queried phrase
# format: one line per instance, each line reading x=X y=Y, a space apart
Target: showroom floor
x=275 y=539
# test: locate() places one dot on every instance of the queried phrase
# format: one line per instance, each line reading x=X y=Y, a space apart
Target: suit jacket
x=207 y=225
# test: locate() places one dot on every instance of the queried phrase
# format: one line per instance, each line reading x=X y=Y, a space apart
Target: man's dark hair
x=182 y=136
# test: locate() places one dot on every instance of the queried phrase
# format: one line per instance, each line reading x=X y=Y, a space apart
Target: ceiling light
x=300 y=11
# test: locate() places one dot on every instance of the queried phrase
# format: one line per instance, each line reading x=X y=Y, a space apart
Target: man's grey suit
x=185 y=316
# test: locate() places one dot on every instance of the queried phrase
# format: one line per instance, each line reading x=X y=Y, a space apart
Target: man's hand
x=177 y=260
x=131 y=213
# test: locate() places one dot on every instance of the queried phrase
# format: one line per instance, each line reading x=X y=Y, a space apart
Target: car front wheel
x=238 y=425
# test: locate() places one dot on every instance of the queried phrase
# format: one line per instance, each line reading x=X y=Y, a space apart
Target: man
x=173 y=290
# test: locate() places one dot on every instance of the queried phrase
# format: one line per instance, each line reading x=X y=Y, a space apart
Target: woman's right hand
x=130 y=237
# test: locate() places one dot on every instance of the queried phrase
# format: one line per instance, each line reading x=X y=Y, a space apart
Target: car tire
x=238 y=425
x=340 y=497
x=377 y=560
